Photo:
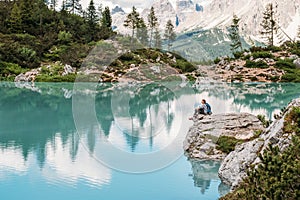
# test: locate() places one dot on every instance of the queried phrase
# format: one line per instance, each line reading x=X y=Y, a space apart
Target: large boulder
x=202 y=137
x=234 y=167
x=297 y=62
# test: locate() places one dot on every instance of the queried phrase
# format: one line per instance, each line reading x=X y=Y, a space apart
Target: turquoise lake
x=115 y=141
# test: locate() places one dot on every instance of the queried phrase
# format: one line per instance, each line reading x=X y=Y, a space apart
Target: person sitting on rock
x=204 y=109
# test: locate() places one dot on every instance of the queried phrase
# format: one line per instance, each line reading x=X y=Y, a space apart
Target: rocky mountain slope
x=190 y=15
x=204 y=138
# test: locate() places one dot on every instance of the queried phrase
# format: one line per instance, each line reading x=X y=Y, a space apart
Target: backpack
x=208 y=109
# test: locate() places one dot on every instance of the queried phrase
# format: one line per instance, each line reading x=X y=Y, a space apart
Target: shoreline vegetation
x=46 y=45
x=276 y=176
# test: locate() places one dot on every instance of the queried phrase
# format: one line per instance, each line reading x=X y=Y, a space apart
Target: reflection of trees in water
x=148 y=98
x=104 y=110
x=204 y=172
x=30 y=120
x=143 y=99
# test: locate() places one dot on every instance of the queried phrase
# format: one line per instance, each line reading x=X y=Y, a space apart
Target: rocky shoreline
x=202 y=138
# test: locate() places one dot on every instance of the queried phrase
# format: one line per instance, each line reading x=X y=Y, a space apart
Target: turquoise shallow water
x=54 y=138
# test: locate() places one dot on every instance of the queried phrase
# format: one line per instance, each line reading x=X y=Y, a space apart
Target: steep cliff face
x=234 y=167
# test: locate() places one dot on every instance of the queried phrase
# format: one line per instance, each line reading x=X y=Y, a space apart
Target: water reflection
x=204 y=172
x=37 y=127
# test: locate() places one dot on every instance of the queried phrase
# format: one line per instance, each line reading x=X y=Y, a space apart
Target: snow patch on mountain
x=191 y=15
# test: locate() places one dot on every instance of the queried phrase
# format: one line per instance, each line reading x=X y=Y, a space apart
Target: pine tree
x=142 y=33
x=26 y=8
x=91 y=14
x=132 y=21
x=106 y=19
x=234 y=34
x=157 y=39
x=92 y=19
x=15 y=20
x=152 y=20
x=73 y=6
x=269 y=24
x=169 y=35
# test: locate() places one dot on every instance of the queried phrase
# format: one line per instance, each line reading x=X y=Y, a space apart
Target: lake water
x=110 y=141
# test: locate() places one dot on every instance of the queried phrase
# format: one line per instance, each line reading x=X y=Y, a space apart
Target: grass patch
x=227 y=144
x=55 y=78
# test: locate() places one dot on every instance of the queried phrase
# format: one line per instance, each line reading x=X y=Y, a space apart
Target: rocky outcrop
x=249 y=69
x=27 y=76
x=57 y=68
x=297 y=62
x=234 y=167
x=202 y=137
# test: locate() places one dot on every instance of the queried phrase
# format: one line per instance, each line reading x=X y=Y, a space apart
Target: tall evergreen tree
x=91 y=14
x=234 y=34
x=269 y=24
x=26 y=8
x=152 y=20
x=106 y=19
x=169 y=35
x=15 y=20
x=92 y=19
x=132 y=21
x=157 y=39
x=142 y=33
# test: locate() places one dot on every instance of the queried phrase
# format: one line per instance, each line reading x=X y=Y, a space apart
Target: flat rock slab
x=202 y=137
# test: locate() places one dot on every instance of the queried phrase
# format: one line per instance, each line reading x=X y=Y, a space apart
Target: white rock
x=234 y=167
x=297 y=62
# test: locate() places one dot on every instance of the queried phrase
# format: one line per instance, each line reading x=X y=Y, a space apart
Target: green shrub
x=8 y=71
x=238 y=54
x=64 y=37
x=292 y=121
x=287 y=63
x=190 y=77
x=277 y=176
x=259 y=64
x=274 y=78
x=266 y=123
x=291 y=76
x=217 y=60
x=254 y=78
x=183 y=65
x=127 y=57
x=262 y=54
x=55 y=78
x=227 y=144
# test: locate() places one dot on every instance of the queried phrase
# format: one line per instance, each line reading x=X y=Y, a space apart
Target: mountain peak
x=117 y=9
